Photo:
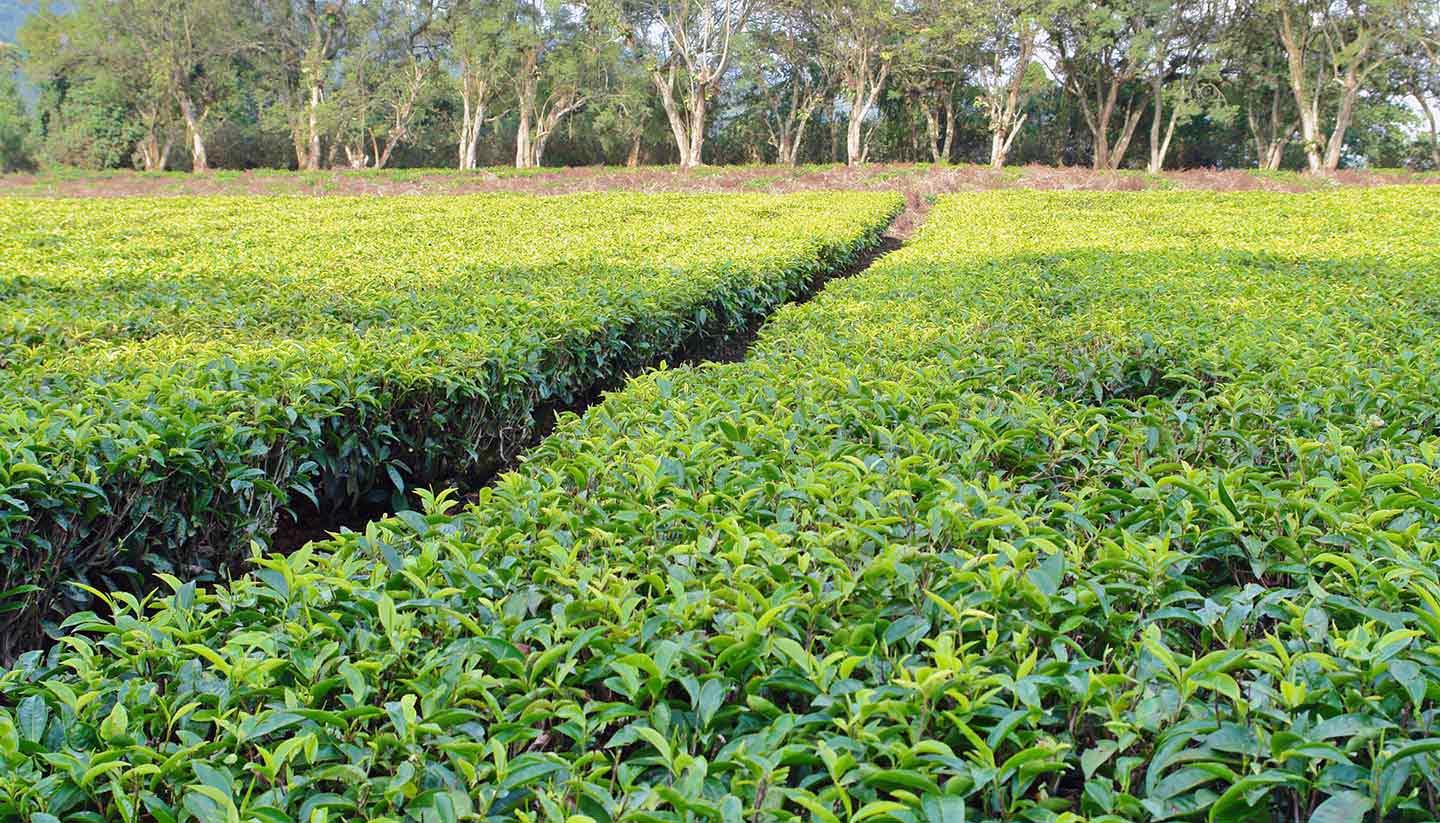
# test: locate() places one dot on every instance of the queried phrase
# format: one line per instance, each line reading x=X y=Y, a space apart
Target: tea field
x=1080 y=506
x=175 y=373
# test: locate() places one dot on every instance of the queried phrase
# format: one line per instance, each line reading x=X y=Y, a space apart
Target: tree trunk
x=798 y=138
x=312 y=149
x=524 y=151
x=852 y=139
x=1157 y=158
x=1132 y=120
x=1006 y=120
x=1434 y=127
x=473 y=93
x=1305 y=102
x=947 y=150
x=355 y=156
x=697 y=129
x=154 y=153
x=199 y=160
x=1351 y=91
x=932 y=130
x=785 y=152
x=860 y=105
x=1160 y=146
x=632 y=161
x=1272 y=136
x=673 y=114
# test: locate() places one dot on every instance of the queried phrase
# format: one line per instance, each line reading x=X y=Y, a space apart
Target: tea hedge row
x=1106 y=507
x=177 y=372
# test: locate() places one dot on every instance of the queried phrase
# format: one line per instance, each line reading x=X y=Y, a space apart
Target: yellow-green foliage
x=178 y=370
x=1111 y=507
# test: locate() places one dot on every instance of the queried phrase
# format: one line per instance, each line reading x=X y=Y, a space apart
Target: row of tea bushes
x=1080 y=507
x=177 y=372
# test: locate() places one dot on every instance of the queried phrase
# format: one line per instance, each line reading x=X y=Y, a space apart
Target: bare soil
x=918 y=181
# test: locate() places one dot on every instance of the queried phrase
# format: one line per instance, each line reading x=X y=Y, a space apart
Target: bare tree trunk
x=1272 y=136
x=678 y=126
x=697 y=129
x=297 y=133
x=355 y=156
x=473 y=94
x=785 y=151
x=861 y=102
x=525 y=98
x=1307 y=103
x=154 y=153
x=932 y=130
x=199 y=160
x=798 y=139
x=632 y=161
x=312 y=150
x=400 y=116
x=1108 y=157
x=1160 y=147
x=1430 y=119
x=1132 y=120
x=1157 y=160
x=947 y=155
x=1351 y=91
x=852 y=139
x=1006 y=120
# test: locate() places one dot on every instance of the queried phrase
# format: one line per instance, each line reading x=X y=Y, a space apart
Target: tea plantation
x=177 y=372
x=1106 y=507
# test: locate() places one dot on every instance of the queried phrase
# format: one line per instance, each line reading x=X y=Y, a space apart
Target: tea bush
x=176 y=372
x=1107 y=507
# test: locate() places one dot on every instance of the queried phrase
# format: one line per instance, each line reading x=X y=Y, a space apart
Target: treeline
x=311 y=84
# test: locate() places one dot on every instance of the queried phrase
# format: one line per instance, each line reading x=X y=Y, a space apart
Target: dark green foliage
x=16 y=151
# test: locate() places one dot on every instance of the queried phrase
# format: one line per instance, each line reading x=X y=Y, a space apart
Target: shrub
x=178 y=372
x=1117 y=507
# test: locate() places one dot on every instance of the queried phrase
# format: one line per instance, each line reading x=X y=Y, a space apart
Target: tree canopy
x=309 y=84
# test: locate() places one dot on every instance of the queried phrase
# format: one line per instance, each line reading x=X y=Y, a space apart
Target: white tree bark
x=199 y=159
x=474 y=94
x=866 y=80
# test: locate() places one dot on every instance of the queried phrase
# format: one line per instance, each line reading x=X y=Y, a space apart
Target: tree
x=685 y=46
x=85 y=44
x=1418 y=74
x=936 y=53
x=198 y=43
x=861 y=46
x=1178 y=34
x=627 y=115
x=1333 y=49
x=787 y=74
x=383 y=77
x=301 y=40
x=1100 y=49
x=1259 y=82
x=1007 y=72
x=180 y=51
x=553 y=71
x=476 y=30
